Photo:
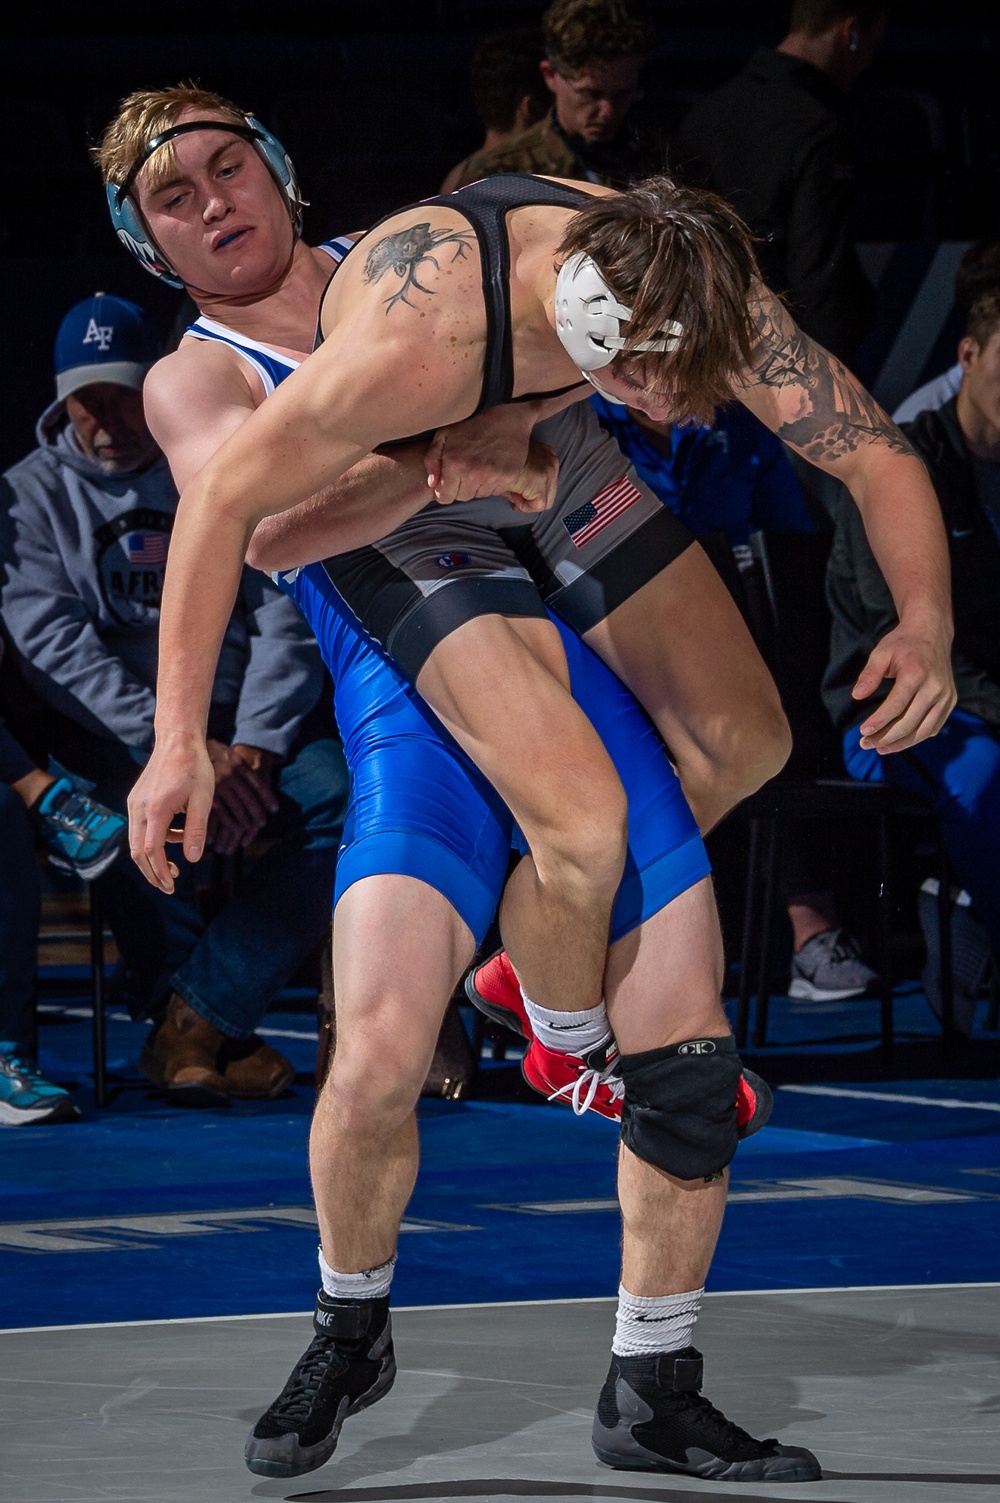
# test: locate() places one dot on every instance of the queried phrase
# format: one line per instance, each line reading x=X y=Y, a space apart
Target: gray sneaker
x=828 y=968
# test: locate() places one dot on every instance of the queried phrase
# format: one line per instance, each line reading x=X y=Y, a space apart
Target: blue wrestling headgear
x=128 y=222
x=590 y=319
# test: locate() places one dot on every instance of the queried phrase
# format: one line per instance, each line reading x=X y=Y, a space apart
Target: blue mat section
x=145 y=1212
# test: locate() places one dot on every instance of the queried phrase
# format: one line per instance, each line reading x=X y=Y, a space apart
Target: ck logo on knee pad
x=697 y=1046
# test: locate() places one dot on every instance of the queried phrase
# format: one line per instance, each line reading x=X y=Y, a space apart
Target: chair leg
x=766 y=929
x=993 y=1014
x=326 y=1016
x=749 y=908
x=478 y=1035
x=947 y=976
x=98 y=1020
x=884 y=907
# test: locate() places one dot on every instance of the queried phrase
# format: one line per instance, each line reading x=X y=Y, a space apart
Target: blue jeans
x=230 y=968
x=282 y=908
x=20 y=909
x=959 y=769
x=15 y=763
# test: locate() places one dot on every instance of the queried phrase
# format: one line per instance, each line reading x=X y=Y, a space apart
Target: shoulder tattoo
x=836 y=415
x=403 y=253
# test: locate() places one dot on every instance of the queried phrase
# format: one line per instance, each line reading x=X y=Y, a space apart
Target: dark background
x=372 y=101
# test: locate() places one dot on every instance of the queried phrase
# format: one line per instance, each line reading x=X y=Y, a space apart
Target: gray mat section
x=898 y=1392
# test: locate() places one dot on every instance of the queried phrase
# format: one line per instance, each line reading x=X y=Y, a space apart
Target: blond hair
x=143 y=116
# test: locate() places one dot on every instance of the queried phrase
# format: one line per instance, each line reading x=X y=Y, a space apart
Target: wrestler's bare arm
x=477 y=457
x=376 y=378
x=199 y=396
x=814 y=403
x=389 y=486
x=194 y=399
x=492 y=454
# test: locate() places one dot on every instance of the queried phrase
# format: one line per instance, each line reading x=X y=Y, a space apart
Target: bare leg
x=663 y=988
x=811 y=913
x=500 y=686
x=32 y=786
x=682 y=647
x=399 y=950
x=663 y=983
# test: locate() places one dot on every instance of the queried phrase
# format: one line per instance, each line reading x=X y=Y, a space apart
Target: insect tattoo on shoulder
x=405 y=252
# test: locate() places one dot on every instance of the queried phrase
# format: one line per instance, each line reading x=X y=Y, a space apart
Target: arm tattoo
x=839 y=414
x=405 y=251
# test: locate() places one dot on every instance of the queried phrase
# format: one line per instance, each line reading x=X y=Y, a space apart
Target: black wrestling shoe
x=651 y=1417
x=348 y=1366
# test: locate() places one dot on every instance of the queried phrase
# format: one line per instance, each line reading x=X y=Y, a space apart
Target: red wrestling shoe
x=493 y=989
x=585 y=1084
x=754 y=1103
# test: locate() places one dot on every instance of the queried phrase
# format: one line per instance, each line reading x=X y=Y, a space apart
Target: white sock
x=371 y=1283
x=654 y=1324
x=569 y=1032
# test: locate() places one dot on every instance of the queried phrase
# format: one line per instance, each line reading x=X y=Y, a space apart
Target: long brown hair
x=671 y=252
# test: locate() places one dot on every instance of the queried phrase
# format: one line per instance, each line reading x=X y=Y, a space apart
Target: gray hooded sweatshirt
x=82 y=555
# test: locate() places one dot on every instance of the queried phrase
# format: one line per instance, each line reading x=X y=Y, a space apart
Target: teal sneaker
x=26 y=1096
x=80 y=835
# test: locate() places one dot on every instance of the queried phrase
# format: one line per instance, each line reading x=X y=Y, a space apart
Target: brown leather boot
x=252 y=1070
x=180 y=1055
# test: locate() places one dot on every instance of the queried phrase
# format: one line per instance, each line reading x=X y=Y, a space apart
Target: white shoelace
x=584 y=1088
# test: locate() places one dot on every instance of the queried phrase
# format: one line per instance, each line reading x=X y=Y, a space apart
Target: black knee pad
x=679 y=1109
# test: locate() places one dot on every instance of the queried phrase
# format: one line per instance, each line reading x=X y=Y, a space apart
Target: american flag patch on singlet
x=591 y=518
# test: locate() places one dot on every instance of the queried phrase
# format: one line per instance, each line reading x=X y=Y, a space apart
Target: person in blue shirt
x=732 y=478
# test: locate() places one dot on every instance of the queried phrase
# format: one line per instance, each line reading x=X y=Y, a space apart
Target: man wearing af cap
x=85 y=523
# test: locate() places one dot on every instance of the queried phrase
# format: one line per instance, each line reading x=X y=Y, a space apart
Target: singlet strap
x=486 y=204
x=271 y=367
x=337 y=248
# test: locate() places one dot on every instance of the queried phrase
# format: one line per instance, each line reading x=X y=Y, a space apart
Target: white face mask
x=589 y=318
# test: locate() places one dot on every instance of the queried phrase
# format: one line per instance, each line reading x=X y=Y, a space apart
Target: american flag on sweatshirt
x=591 y=518
x=148 y=548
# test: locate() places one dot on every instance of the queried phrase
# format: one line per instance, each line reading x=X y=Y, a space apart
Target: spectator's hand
x=922 y=696
x=177 y=779
x=244 y=800
x=492 y=454
x=261 y=764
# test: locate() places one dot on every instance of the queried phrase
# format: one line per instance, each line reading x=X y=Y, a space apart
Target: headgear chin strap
x=128 y=222
x=589 y=318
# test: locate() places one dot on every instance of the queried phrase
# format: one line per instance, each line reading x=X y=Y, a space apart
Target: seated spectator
x=728 y=480
x=85 y=524
x=82 y=837
x=978 y=270
x=959 y=768
x=775 y=142
x=508 y=91
x=594 y=55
